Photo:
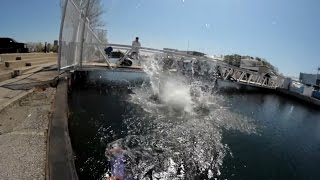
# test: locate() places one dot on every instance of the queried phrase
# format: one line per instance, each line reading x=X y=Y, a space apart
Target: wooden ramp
x=13 y=65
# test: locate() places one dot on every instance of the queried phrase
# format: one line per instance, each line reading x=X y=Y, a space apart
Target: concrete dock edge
x=60 y=159
x=300 y=97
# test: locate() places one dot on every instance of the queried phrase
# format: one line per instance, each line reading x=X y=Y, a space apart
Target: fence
x=79 y=43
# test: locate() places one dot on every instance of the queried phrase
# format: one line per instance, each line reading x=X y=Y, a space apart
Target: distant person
x=45 y=47
x=135 y=48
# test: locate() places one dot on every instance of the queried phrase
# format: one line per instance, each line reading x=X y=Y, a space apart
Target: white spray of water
x=187 y=125
x=173 y=92
x=176 y=95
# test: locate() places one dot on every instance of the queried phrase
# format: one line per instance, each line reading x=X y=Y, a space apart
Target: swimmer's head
x=115 y=149
x=115 y=145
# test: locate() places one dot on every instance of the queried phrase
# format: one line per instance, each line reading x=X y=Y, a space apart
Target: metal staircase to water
x=247 y=77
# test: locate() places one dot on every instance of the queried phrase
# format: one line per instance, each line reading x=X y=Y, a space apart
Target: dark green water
x=286 y=144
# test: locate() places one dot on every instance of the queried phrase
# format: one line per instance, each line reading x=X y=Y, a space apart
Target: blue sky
x=285 y=32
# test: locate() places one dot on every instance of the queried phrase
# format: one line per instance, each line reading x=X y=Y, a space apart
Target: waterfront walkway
x=25 y=109
x=23 y=128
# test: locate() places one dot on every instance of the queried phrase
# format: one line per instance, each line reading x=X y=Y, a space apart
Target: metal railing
x=244 y=76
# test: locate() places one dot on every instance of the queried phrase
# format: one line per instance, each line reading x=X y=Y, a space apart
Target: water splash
x=180 y=134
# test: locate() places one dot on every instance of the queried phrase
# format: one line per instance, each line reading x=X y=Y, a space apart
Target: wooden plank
x=32 y=69
x=22 y=63
x=10 y=57
x=26 y=73
x=40 y=67
x=35 y=63
x=32 y=59
x=2 y=65
x=5 y=75
x=20 y=71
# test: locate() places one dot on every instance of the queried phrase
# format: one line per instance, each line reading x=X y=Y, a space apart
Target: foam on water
x=180 y=135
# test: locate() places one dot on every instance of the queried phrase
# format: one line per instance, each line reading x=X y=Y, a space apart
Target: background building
x=55 y=42
x=309 y=78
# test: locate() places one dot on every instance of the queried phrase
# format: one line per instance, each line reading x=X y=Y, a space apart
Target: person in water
x=117 y=163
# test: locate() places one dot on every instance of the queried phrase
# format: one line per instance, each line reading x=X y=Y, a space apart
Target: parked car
x=9 y=45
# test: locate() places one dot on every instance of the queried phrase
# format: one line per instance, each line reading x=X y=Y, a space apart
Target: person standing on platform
x=135 y=49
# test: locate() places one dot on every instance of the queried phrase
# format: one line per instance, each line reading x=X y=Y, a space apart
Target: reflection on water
x=177 y=127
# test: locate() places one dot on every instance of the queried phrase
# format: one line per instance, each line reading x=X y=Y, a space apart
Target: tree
x=49 y=47
x=39 y=47
x=102 y=35
x=234 y=59
x=269 y=65
x=258 y=59
x=93 y=13
x=55 y=48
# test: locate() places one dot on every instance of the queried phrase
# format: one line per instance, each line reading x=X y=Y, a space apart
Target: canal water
x=183 y=127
